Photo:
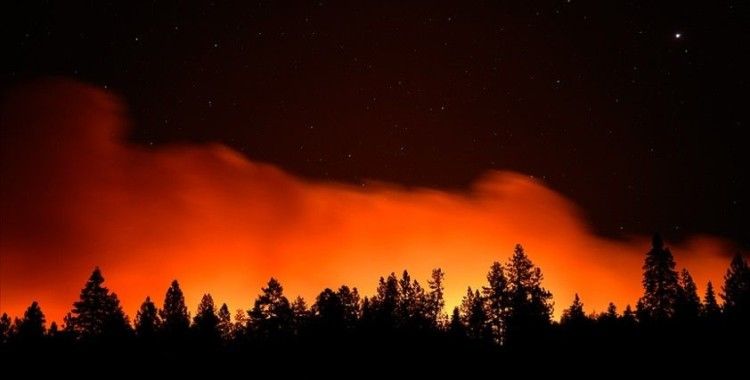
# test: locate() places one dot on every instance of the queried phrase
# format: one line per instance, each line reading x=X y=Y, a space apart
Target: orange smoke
x=75 y=195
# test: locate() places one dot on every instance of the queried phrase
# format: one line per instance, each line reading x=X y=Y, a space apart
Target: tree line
x=512 y=312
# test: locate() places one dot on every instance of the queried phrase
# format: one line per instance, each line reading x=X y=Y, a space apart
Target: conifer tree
x=456 y=326
x=206 y=322
x=574 y=315
x=174 y=314
x=147 y=321
x=498 y=300
x=31 y=328
x=5 y=328
x=97 y=313
x=660 y=283
x=530 y=304
x=688 y=305
x=628 y=317
x=386 y=302
x=711 y=309
x=736 y=289
x=474 y=316
x=351 y=305
x=225 y=323
x=241 y=323
x=271 y=315
x=436 y=301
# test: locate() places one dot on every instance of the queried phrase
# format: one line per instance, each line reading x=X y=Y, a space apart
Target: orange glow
x=75 y=195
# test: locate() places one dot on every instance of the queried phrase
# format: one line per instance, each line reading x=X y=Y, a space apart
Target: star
x=677 y=35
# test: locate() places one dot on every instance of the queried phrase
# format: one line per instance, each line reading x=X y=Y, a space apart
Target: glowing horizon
x=222 y=224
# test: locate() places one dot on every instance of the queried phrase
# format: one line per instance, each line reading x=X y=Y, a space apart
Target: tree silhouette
x=385 y=303
x=351 y=305
x=628 y=317
x=225 y=323
x=513 y=311
x=456 y=326
x=688 y=306
x=97 y=313
x=736 y=289
x=241 y=323
x=300 y=315
x=368 y=313
x=52 y=331
x=271 y=315
x=498 y=300
x=474 y=316
x=530 y=303
x=711 y=309
x=413 y=304
x=328 y=310
x=147 y=321
x=205 y=322
x=174 y=314
x=69 y=325
x=574 y=315
x=435 y=297
x=5 y=328
x=31 y=327
x=660 y=284
x=608 y=319
x=611 y=311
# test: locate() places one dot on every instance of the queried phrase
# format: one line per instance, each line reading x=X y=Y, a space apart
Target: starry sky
x=635 y=110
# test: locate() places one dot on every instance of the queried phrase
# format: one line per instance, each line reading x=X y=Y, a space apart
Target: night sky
x=635 y=111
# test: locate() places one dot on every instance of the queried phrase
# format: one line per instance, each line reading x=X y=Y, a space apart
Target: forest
x=509 y=317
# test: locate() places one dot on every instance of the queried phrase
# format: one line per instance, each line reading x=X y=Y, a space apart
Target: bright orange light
x=74 y=195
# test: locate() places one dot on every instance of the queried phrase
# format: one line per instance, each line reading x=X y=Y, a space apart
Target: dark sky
x=634 y=110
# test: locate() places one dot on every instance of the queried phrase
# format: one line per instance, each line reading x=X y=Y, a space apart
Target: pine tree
x=69 y=326
x=436 y=301
x=660 y=284
x=5 y=328
x=241 y=323
x=328 y=310
x=351 y=305
x=688 y=305
x=386 y=302
x=53 y=332
x=574 y=315
x=271 y=315
x=497 y=298
x=456 y=326
x=474 y=317
x=367 y=316
x=31 y=327
x=205 y=322
x=174 y=314
x=300 y=315
x=147 y=321
x=97 y=313
x=711 y=309
x=608 y=318
x=628 y=315
x=225 y=323
x=412 y=303
x=736 y=289
x=611 y=313
x=530 y=304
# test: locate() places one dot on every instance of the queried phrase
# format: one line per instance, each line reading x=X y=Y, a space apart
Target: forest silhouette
x=509 y=317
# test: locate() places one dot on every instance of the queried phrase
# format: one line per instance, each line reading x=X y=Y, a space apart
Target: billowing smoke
x=76 y=195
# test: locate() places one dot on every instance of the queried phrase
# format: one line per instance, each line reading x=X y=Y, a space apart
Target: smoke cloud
x=75 y=194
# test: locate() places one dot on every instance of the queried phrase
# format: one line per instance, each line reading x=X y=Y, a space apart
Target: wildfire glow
x=75 y=195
